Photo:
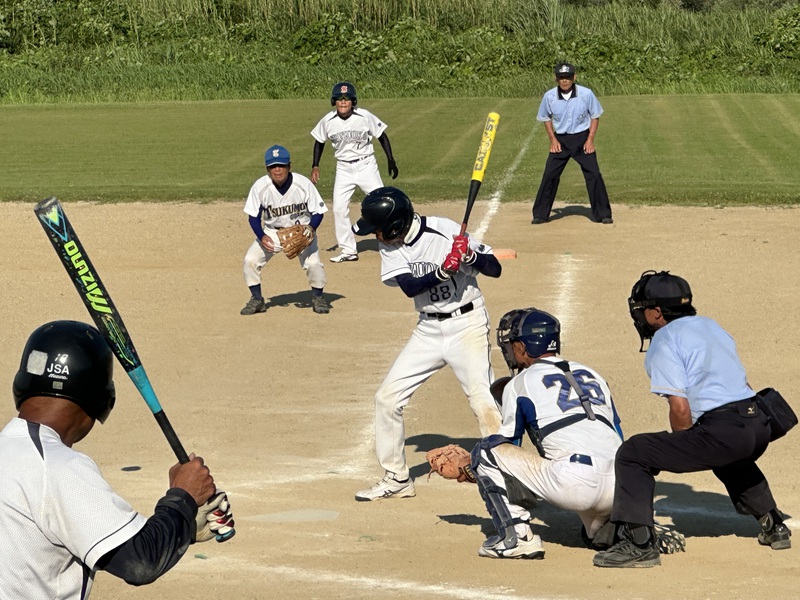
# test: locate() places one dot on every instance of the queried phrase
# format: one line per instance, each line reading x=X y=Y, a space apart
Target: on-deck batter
x=430 y=262
x=350 y=130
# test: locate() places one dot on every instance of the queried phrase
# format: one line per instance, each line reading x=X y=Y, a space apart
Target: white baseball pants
x=365 y=175
x=257 y=257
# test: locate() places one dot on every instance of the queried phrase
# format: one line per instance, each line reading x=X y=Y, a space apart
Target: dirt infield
x=280 y=404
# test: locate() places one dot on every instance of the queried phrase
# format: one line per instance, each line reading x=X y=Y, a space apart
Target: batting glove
x=393 y=168
x=451 y=263
x=215 y=519
x=461 y=246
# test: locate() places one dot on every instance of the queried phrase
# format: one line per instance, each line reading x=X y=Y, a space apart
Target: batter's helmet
x=70 y=360
x=539 y=331
x=344 y=89
x=670 y=293
x=387 y=210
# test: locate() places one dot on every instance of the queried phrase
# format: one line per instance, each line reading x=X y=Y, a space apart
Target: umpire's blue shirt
x=573 y=115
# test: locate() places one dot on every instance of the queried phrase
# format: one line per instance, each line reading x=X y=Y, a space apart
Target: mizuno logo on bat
x=94 y=293
x=55 y=222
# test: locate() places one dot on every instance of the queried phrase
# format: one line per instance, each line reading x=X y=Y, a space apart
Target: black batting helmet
x=538 y=330
x=668 y=292
x=387 y=210
x=71 y=360
x=344 y=89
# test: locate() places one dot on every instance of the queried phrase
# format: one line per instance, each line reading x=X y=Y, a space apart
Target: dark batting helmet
x=386 y=210
x=668 y=292
x=538 y=330
x=70 y=360
x=344 y=89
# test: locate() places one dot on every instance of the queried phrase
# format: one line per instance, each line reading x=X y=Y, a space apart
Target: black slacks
x=572 y=147
x=727 y=441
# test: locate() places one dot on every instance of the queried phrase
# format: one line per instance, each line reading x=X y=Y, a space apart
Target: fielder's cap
x=564 y=70
x=276 y=155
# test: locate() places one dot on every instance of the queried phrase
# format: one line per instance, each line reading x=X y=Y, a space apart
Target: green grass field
x=698 y=149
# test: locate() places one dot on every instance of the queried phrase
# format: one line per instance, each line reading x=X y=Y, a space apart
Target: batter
x=427 y=259
x=350 y=130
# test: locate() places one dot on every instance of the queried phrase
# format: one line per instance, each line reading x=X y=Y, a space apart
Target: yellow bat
x=481 y=162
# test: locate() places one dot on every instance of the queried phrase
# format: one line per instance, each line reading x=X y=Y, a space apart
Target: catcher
x=567 y=411
x=285 y=211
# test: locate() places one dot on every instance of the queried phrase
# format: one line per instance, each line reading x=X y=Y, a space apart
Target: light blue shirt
x=573 y=115
x=696 y=359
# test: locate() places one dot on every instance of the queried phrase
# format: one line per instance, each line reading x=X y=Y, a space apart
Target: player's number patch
x=441 y=292
x=585 y=380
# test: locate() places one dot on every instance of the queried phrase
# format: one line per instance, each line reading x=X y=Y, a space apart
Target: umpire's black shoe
x=627 y=554
x=538 y=221
x=774 y=532
x=607 y=221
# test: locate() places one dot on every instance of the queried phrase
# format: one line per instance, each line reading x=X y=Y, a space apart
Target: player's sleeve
x=665 y=367
x=376 y=126
x=81 y=512
x=252 y=205
x=593 y=105
x=392 y=264
x=320 y=132
x=544 y=114
x=314 y=203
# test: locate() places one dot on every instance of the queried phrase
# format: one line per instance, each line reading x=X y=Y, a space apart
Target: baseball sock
x=316 y=291
x=255 y=291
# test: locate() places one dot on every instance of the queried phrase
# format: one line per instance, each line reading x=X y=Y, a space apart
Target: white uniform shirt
x=58 y=516
x=294 y=207
x=352 y=137
x=541 y=395
x=426 y=253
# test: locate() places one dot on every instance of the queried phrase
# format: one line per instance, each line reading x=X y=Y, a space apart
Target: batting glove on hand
x=461 y=246
x=451 y=263
x=215 y=519
x=393 y=168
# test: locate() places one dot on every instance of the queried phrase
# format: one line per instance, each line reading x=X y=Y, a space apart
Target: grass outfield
x=691 y=149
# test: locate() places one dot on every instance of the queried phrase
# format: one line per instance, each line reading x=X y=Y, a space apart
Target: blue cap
x=276 y=155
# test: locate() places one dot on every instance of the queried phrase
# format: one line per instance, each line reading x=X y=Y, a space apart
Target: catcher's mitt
x=295 y=239
x=451 y=462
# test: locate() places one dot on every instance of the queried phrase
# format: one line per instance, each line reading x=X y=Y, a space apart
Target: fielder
x=567 y=411
x=276 y=202
x=61 y=521
x=430 y=262
x=350 y=130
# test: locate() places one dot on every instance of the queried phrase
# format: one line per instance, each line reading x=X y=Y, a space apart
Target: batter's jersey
x=425 y=253
x=58 y=516
x=352 y=137
x=572 y=115
x=696 y=359
x=284 y=210
x=540 y=396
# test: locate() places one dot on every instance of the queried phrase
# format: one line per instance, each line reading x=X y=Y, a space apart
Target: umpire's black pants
x=572 y=147
x=726 y=441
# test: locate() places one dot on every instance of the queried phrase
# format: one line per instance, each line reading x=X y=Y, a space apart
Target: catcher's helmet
x=670 y=293
x=538 y=330
x=387 y=210
x=344 y=89
x=70 y=360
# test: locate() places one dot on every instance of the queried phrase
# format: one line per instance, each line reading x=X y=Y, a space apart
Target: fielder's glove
x=393 y=168
x=451 y=462
x=215 y=519
x=669 y=541
x=295 y=239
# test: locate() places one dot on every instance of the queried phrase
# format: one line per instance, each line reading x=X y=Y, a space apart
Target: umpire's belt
x=748 y=405
x=581 y=458
x=459 y=311
x=350 y=162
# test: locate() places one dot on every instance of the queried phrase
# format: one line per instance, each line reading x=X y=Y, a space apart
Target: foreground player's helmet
x=70 y=360
x=670 y=293
x=387 y=210
x=539 y=331
x=344 y=89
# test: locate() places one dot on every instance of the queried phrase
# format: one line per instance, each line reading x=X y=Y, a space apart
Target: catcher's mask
x=538 y=330
x=71 y=360
x=344 y=89
x=670 y=293
x=387 y=210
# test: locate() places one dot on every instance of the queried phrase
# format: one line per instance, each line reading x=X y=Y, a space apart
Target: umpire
x=571 y=114
x=716 y=423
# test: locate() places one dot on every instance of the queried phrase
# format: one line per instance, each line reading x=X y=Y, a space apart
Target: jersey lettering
x=584 y=379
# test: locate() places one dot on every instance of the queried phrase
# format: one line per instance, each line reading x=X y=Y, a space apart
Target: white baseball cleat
x=526 y=548
x=388 y=487
x=340 y=258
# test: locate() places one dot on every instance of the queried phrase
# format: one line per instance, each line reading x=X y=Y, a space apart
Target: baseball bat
x=104 y=313
x=481 y=162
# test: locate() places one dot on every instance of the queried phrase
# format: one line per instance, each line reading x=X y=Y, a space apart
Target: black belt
x=581 y=458
x=731 y=406
x=459 y=311
x=578 y=133
x=350 y=162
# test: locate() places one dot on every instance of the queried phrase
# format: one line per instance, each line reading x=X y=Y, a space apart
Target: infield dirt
x=280 y=404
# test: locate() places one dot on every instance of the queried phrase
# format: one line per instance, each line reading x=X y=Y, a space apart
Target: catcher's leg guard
x=494 y=496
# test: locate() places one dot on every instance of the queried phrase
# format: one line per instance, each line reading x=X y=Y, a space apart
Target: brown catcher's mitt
x=451 y=462
x=295 y=239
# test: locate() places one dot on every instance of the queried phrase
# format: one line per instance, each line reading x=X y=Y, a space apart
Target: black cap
x=564 y=70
